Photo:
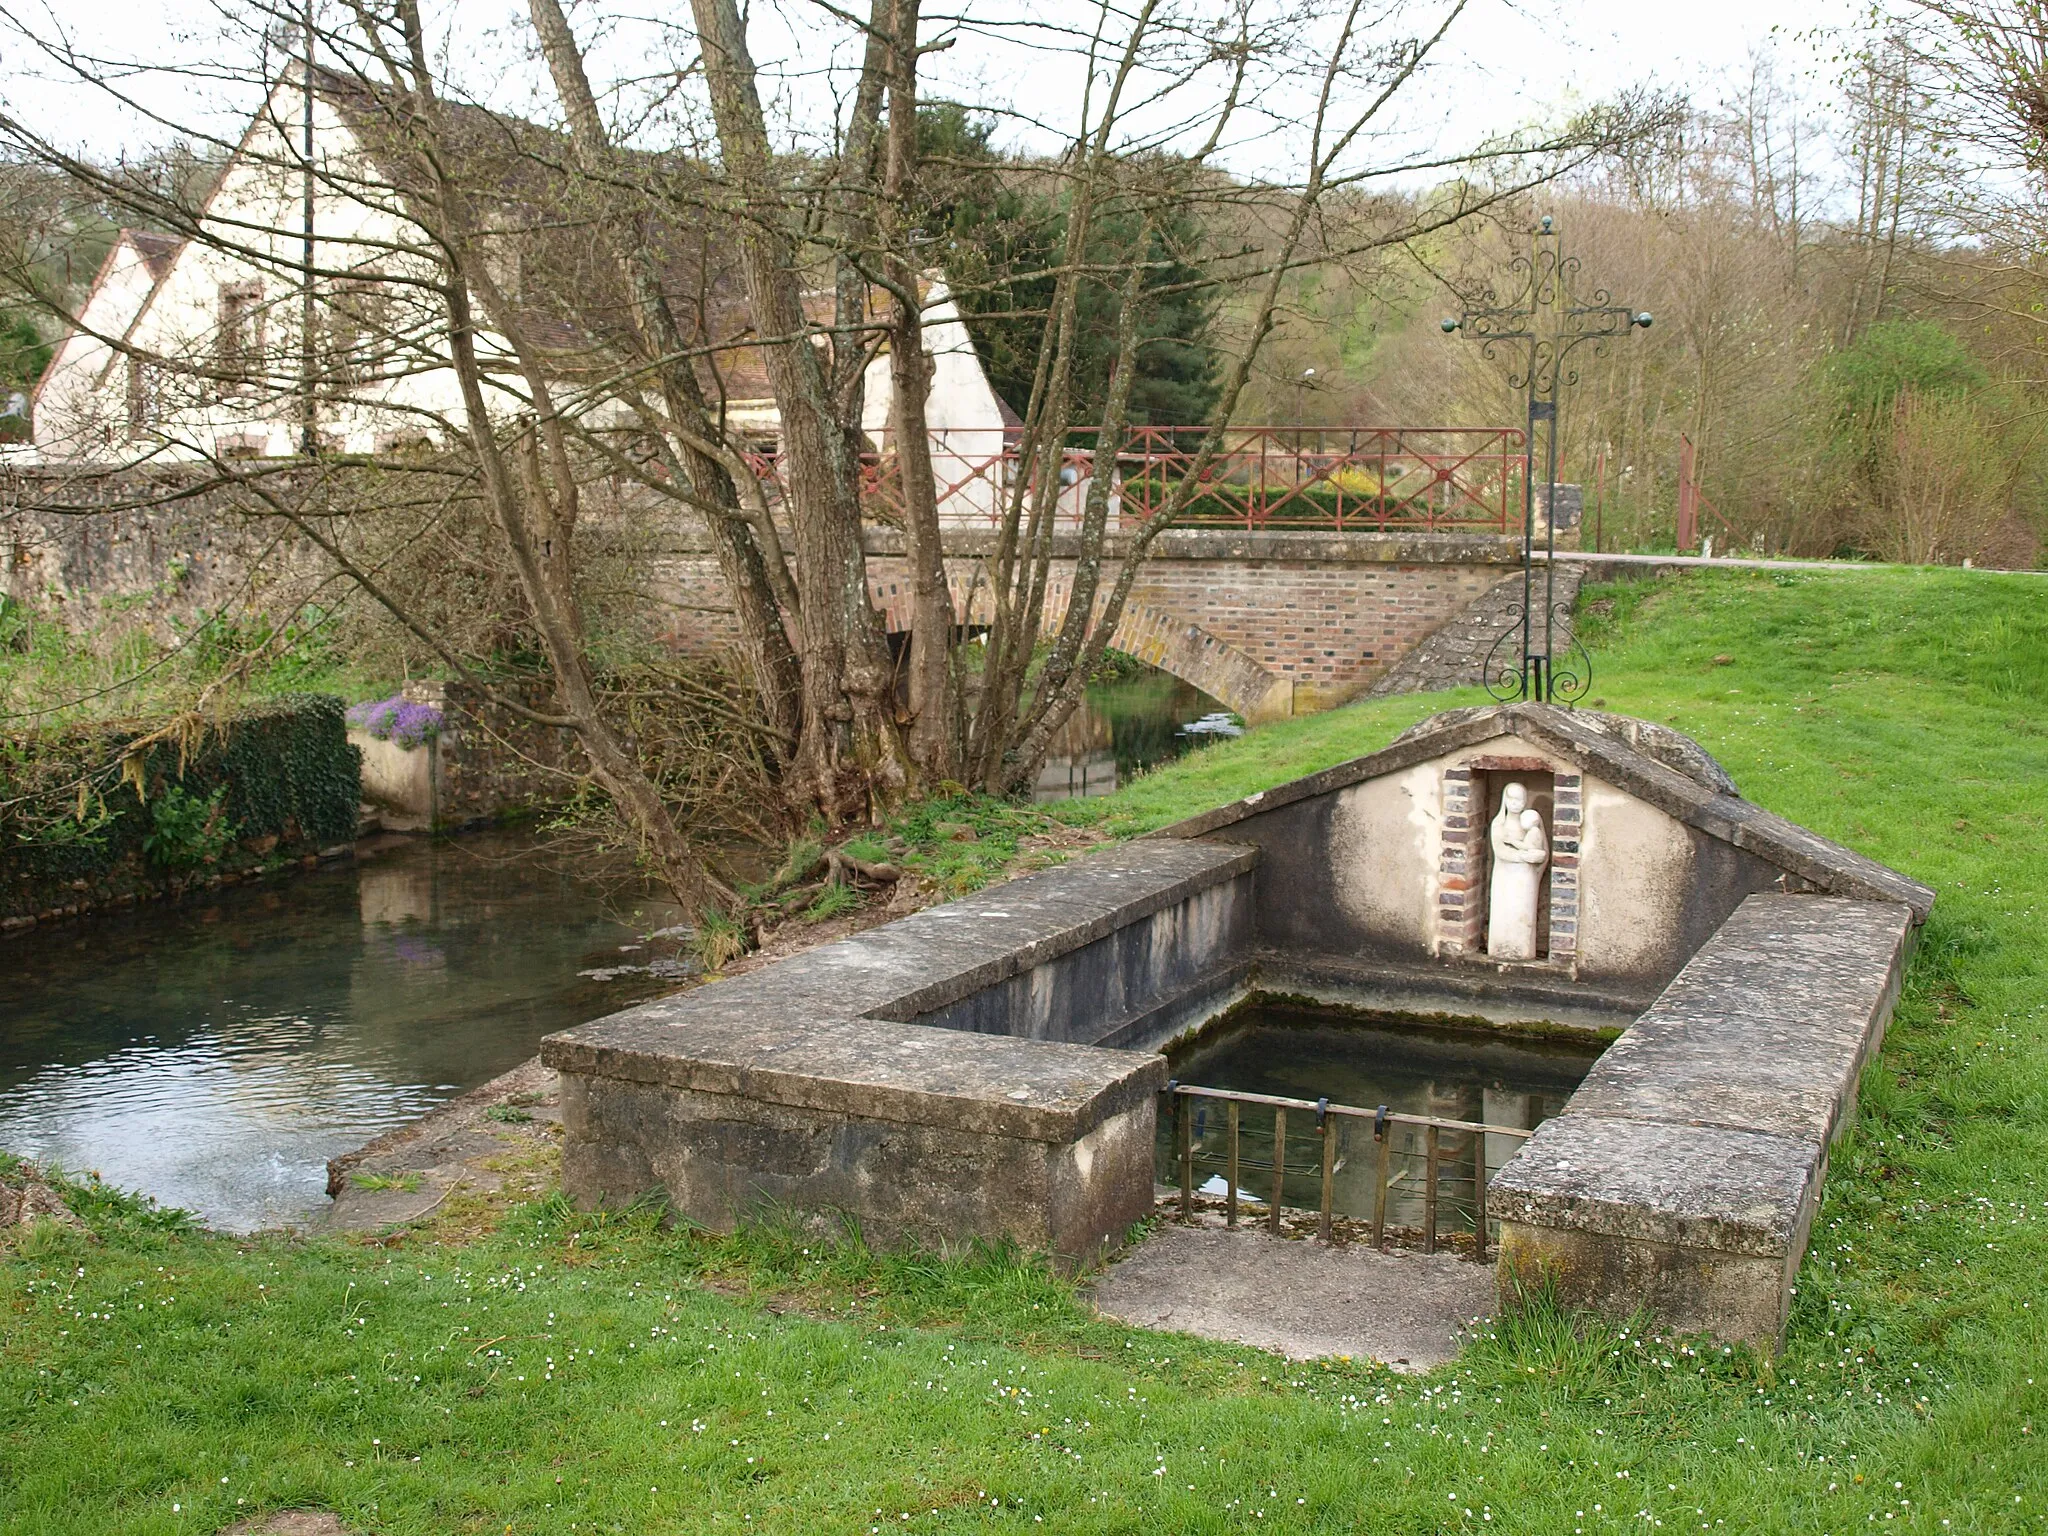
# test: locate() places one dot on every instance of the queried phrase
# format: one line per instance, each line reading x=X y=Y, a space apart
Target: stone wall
x=75 y=541
x=923 y=1077
x=1455 y=655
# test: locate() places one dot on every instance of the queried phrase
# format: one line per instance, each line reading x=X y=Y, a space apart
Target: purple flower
x=398 y=719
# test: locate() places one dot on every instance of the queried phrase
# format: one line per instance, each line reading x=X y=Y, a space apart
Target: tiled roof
x=571 y=295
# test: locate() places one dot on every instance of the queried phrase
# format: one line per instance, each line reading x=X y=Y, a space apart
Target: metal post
x=1429 y=1190
x=1379 y=1199
x=1479 y=1192
x=1599 y=500
x=1230 y=1206
x=309 y=363
x=1328 y=1128
x=1183 y=1131
x=1279 y=1168
x=1544 y=324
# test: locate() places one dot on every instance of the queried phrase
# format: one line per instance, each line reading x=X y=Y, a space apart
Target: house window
x=142 y=397
x=358 y=324
x=239 y=340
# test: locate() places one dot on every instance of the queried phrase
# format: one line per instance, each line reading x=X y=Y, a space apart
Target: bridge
x=1308 y=562
x=1270 y=622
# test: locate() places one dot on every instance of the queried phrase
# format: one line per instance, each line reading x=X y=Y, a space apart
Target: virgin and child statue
x=1521 y=848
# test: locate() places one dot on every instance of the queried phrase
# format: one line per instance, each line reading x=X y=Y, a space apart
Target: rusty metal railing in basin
x=1330 y=1122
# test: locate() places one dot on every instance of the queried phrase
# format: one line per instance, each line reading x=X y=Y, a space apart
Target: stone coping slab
x=1688 y=1185
x=1768 y=1028
x=1020 y=925
x=870 y=1069
x=832 y=1029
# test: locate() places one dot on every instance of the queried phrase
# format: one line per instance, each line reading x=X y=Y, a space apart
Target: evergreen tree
x=1001 y=230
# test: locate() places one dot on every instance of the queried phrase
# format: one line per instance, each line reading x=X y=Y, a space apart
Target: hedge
x=278 y=780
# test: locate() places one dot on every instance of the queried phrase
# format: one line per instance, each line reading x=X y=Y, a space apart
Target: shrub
x=1895 y=358
x=186 y=831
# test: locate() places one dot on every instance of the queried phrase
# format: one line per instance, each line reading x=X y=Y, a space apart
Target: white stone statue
x=1521 y=848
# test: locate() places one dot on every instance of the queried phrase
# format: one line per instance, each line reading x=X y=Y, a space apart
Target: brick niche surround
x=1462 y=865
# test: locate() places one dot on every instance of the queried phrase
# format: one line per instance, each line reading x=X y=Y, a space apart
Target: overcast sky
x=1505 y=64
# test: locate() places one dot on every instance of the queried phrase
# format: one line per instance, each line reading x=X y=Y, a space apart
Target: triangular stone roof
x=1659 y=766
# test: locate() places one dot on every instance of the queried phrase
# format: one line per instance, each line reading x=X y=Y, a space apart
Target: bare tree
x=579 y=294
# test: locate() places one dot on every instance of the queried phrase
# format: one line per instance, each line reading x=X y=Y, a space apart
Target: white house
x=191 y=350
x=86 y=371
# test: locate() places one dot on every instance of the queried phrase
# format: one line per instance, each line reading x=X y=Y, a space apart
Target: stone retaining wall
x=486 y=764
x=280 y=776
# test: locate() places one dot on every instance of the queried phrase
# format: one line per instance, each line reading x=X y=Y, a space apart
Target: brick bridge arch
x=1269 y=623
x=1187 y=651
x=1159 y=639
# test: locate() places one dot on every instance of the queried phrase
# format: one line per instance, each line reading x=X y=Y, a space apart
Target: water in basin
x=1412 y=1065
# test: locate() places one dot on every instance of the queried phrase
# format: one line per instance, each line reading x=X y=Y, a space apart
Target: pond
x=1125 y=726
x=1411 y=1065
x=215 y=1053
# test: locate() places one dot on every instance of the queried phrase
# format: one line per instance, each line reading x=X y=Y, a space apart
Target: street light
x=1546 y=323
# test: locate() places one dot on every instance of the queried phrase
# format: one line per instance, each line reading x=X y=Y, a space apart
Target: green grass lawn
x=569 y=1373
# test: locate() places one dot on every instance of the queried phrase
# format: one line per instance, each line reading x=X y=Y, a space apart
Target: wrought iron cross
x=1545 y=323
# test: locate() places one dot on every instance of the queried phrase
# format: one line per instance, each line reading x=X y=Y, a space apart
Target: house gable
x=69 y=419
x=215 y=323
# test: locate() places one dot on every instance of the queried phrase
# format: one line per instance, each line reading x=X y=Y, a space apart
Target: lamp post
x=1545 y=323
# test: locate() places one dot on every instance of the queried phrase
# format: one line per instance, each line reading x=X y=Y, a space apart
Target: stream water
x=215 y=1053
x=1125 y=727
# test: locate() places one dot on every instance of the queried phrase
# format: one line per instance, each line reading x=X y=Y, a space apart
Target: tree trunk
x=543 y=557
x=934 y=710
x=659 y=344
x=851 y=748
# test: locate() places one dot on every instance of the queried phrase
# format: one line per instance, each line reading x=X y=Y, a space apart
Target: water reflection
x=1411 y=1066
x=1123 y=728
x=216 y=1054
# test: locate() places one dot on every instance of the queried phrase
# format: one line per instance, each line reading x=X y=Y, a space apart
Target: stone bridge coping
x=830 y=1029
x=1395 y=547
x=1707 y=1124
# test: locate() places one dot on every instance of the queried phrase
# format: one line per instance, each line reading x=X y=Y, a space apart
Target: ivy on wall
x=277 y=780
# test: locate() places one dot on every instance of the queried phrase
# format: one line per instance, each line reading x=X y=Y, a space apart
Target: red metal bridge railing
x=1364 y=479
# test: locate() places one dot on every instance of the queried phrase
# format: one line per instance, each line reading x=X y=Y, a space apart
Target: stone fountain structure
x=988 y=1068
